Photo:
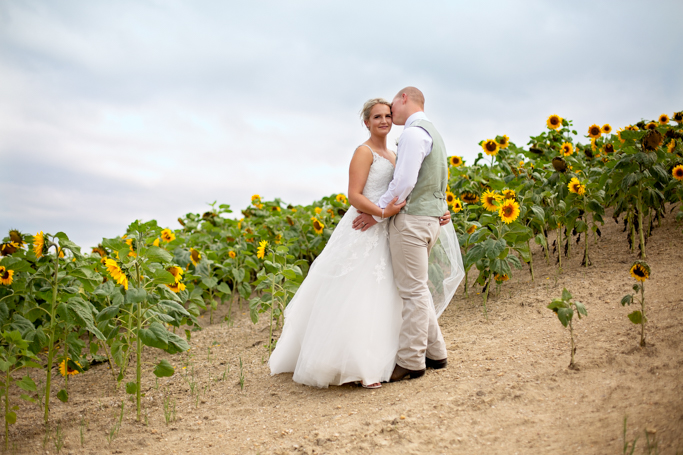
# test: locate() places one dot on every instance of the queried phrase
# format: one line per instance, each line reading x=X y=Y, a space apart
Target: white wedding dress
x=343 y=323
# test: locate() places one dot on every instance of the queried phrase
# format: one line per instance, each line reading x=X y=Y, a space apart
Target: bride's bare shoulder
x=363 y=152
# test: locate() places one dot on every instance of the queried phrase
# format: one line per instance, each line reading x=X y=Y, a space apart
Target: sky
x=150 y=109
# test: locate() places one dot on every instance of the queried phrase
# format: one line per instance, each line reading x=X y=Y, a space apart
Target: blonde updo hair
x=367 y=107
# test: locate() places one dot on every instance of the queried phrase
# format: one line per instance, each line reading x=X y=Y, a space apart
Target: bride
x=343 y=323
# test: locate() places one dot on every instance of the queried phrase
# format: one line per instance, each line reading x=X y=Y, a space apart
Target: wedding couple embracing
x=367 y=311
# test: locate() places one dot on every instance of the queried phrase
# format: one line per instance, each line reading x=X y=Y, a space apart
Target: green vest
x=428 y=198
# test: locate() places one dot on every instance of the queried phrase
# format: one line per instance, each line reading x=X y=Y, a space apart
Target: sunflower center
x=507 y=210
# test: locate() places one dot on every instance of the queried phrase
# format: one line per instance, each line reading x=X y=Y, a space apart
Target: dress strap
x=366 y=145
x=375 y=155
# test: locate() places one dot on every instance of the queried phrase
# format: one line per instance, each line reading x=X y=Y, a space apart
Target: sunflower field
x=63 y=310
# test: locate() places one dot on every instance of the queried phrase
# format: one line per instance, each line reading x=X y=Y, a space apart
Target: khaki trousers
x=411 y=238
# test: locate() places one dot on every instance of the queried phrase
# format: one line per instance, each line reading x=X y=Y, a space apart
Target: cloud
x=112 y=111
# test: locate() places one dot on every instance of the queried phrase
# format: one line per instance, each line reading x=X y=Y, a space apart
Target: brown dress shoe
x=436 y=364
x=401 y=373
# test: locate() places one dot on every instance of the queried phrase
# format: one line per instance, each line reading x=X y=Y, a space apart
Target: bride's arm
x=358 y=176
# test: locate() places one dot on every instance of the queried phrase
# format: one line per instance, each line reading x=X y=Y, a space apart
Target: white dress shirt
x=413 y=147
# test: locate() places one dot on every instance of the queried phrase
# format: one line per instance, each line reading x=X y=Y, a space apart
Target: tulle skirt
x=343 y=323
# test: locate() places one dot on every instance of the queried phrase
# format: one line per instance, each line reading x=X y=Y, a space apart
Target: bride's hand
x=393 y=208
x=445 y=218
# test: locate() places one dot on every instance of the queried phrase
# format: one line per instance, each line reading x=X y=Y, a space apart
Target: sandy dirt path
x=507 y=388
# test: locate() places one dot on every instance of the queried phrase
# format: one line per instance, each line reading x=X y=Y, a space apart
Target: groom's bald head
x=414 y=95
x=406 y=103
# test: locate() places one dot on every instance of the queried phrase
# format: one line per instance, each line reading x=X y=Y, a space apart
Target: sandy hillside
x=507 y=388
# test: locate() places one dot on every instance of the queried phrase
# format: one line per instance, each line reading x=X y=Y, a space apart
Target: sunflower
x=470 y=198
x=258 y=206
x=664 y=119
x=275 y=208
x=65 y=369
x=678 y=117
x=261 y=250
x=490 y=200
x=278 y=238
x=167 y=235
x=256 y=198
x=606 y=128
x=594 y=131
x=608 y=148
x=39 y=244
x=181 y=222
x=521 y=164
x=677 y=172
x=16 y=237
x=672 y=145
x=559 y=164
x=232 y=254
x=450 y=198
x=132 y=252
x=508 y=211
x=652 y=140
x=456 y=206
x=341 y=198
x=455 y=161
x=504 y=141
x=490 y=147
x=621 y=139
x=8 y=248
x=567 y=149
x=176 y=287
x=177 y=273
x=509 y=194
x=575 y=186
x=195 y=256
x=501 y=278
x=6 y=275
x=640 y=271
x=331 y=212
x=318 y=226
x=554 y=122
x=651 y=126
x=116 y=273
x=471 y=228
x=318 y=210
x=156 y=242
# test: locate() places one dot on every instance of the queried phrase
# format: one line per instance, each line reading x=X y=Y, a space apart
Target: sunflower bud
x=559 y=164
x=652 y=140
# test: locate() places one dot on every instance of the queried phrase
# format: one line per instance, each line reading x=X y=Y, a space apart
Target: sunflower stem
x=531 y=261
x=642 y=313
x=571 y=335
x=640 y=222
x=272 y=304
x=138 y=341
x=486 y=295
x=559 y=249
x=51 y=340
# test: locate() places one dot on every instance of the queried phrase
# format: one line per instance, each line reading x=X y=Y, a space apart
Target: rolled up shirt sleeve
x=413 y=147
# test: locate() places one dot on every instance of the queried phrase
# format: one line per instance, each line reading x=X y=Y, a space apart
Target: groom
x=420 y=178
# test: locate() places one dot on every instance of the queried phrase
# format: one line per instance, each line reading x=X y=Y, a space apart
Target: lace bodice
x=381 y=173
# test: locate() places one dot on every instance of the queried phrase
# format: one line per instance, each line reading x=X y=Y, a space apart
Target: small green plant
x=169 y=409
x=641 y=272
x=241 y=375
x=652 y=446
x=59 y=438
x=564 y=308
x=82 y=428
x=114 y=430
x=626 y=443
